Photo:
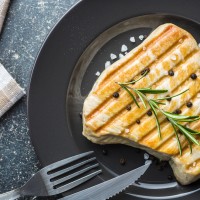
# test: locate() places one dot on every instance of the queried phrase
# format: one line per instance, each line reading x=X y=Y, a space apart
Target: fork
x=48 y=181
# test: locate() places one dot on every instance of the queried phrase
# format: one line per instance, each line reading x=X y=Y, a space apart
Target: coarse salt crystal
x=124 y=48
x=121 y=55
x=127 y=130
x=146 y=156
x=107 y=64
x=125 y=53
x=16 y=56
x=173 y=57
x=113 y=56
x=141 y=37
x=97 y=73
x=132 y=39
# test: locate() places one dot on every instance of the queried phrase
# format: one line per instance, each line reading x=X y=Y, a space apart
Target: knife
x=109 y=188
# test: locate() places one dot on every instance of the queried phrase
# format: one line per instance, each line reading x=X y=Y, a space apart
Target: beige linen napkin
x=10 y=91
x=3 y=9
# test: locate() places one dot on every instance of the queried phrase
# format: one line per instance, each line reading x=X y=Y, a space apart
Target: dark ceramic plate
x=64 y=73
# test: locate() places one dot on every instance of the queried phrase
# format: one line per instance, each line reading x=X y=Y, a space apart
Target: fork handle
x=13 y=194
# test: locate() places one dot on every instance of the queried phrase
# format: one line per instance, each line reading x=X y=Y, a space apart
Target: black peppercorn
x=104 y=152
x=138 y=121
x=146 y=70
x=116 y=95
x=189 y=104
x=170 y=177
x=122 y=161
x=149 y=113
x=169 y=99
x=171 y=72
x=178 y=111
x=193 y=76
x=81 y=115
x=128 y=107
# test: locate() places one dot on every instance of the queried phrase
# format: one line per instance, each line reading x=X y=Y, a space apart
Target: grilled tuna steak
x=106 y=119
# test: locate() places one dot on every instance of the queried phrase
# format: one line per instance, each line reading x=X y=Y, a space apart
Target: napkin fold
x=10 y=91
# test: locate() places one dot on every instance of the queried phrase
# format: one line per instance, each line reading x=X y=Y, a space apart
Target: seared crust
x=106 y=120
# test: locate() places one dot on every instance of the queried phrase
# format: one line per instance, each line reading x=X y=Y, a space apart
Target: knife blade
x=109 y=188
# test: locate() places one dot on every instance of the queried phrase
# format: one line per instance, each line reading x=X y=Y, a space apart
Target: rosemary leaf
x=141 y=97
x=178 y=140
x=191 y=130
x=151 y=91
x=170 y=97
x=131 y=94
x=188 y=120
x=188 y=134
x=179 y=117
x=161 y=103
x=134 y=81
x=154 y=103
x=156 y=117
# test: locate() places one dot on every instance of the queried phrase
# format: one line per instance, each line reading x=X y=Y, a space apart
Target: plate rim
x=39 y=52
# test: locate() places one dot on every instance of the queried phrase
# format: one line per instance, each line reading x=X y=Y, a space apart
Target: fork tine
x=66 y=161
x=66 y=178
x=77 y=182
x=63 y=171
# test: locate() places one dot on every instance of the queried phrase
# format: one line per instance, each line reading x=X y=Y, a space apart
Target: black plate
x=64 y=73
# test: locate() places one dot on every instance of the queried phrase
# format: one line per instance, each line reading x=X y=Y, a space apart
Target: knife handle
x=13 y=194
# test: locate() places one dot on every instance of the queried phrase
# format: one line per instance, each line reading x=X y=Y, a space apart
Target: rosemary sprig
x=174 y=119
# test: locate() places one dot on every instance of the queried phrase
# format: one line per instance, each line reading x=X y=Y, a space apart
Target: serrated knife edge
x=109 y=188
